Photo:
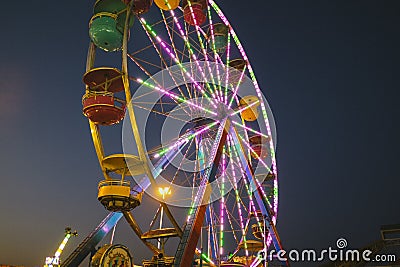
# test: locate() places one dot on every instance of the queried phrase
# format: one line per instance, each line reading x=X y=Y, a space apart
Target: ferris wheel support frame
x=202 y=164
x=187 y=246
x=90 y=242
x=262 y=203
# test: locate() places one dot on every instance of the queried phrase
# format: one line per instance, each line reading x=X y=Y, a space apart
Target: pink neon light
x=238 y=204
x=192 y=54
x=259 y=94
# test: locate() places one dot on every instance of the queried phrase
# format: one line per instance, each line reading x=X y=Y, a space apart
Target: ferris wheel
x=197 y=133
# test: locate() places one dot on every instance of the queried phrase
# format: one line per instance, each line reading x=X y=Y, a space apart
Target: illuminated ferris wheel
x=197 y=134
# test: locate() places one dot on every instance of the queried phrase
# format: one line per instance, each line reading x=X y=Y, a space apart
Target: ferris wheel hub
x=222 y=111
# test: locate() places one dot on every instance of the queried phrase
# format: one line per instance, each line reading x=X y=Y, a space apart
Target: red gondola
x=259 y=144
x=194 y=13
x=103 y=108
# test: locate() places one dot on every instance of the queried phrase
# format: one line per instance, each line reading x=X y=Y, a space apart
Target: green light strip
x=227 y=68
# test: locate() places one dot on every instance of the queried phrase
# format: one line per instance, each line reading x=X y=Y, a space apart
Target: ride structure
x=55 y=260
x=194 y=121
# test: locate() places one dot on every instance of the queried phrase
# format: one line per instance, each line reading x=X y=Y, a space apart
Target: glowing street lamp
x=164 y=191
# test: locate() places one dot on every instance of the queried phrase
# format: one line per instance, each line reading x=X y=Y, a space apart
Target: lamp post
x=163 y=191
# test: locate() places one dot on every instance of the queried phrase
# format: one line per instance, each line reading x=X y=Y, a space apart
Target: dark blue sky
x=329 y=69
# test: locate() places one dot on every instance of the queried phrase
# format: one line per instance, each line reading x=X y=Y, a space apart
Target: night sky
x=329 y=69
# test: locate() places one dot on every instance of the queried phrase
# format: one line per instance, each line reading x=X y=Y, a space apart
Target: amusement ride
x=198 y=137
x=55 y=260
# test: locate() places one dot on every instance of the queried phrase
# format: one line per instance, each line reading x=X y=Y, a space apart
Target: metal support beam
x=90 y=242
x=187 y=246
x=135 y=227
x=261 y=201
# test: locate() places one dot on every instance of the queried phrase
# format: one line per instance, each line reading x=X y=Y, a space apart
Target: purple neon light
x=215 y=93
x=244 y=108
x=259 y=94
x=174 y=96
x=184 y=140
x=269 y=240
x=239 y=207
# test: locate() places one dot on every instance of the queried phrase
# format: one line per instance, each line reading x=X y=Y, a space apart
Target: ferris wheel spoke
x=264 y=207
x=203 y=52
x=186 y=138
x=243 y=168
x=141 y=50
x=226 y=82
x=214 y=89
x=214 y=50
x=168 y=29
x=151 y=77
x=176 y=97
x=164 y=114
x=165 y=64
x=238 y=202
x=212 y=253
x=242 y=125
x=187 y=180
x=186 y=37
x=139 y=62
x=222 y=203
x=152 y=34
x=190 y=43
x=252 y=207
x=135 y=60
x=234 y=222
x=251 y=202
x=231 y=223
x=268 y=169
